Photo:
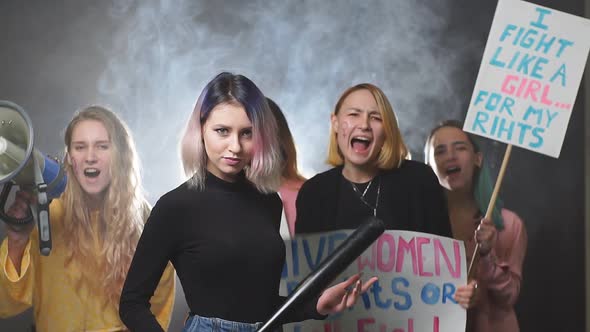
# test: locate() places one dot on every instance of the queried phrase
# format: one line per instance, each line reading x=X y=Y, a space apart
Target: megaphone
x=23 y=165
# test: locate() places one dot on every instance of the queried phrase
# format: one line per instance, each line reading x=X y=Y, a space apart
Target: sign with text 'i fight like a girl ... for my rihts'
x=529 y=76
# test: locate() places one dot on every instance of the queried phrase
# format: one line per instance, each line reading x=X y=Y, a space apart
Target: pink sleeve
x=501 y=269
x=289 y=196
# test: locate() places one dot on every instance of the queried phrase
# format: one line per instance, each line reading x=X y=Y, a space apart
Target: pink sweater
x=498 y=276
x=288 y=192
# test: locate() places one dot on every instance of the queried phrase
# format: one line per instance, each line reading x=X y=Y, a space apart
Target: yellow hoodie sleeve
x=162 y=302
x=16 y=291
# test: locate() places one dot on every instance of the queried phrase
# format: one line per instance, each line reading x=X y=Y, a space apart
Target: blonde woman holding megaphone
x=96 y=224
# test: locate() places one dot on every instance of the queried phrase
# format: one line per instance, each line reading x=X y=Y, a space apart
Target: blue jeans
x=197 y=323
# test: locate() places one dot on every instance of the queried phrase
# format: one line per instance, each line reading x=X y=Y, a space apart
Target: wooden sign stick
x=475 y=257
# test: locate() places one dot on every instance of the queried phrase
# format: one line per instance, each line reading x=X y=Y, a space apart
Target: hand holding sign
x=485 y=236
x=466 y=295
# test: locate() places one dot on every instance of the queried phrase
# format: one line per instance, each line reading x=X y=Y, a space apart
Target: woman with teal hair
x=458 y=163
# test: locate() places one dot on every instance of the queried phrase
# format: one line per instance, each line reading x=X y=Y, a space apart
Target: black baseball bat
x=329 y=269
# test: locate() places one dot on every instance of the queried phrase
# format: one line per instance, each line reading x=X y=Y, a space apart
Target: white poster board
x=418 y=275
x=529 y=76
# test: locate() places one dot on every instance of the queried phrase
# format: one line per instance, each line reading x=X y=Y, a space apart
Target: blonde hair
x=394 y=149
x=120 y=220
x=288 y=150
x=265 y=168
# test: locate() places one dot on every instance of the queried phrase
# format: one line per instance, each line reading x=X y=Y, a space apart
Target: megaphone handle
x=42 y=210
x=43 y=220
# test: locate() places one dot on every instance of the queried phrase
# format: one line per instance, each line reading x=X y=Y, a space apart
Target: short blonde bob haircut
x=394 y=149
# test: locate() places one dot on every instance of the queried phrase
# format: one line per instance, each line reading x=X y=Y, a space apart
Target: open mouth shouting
x=361 y=144
x=453 y=173
x=453 y=170
x=91 y=173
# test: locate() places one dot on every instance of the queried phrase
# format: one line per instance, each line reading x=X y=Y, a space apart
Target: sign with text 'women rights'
x=418 y=276
x=529 y=76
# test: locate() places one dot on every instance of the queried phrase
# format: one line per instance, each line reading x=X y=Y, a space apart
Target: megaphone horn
x=25 y=166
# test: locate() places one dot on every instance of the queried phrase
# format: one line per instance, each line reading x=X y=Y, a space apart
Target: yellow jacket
x=58 y=307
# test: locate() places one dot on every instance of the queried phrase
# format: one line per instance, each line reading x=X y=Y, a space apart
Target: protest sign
x=418 y=275
x=529 y=76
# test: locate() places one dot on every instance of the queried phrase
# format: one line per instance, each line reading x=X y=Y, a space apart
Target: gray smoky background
x=302 y=54
x=149 y=60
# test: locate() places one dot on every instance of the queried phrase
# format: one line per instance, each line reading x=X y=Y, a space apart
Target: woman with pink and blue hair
x=220 y=229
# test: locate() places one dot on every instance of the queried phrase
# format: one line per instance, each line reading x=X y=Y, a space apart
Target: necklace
x=362 y=195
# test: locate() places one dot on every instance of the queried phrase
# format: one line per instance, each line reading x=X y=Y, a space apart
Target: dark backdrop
x=149 y=59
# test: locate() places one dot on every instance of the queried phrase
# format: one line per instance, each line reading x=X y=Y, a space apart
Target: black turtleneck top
x=225 y=245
